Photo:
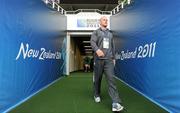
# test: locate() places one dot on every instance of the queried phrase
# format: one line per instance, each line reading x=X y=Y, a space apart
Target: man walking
x=104 y=59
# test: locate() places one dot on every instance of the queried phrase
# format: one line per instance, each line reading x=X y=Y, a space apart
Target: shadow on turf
x=123 y=111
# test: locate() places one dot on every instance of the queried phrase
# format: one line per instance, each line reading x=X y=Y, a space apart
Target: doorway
x=78 y=47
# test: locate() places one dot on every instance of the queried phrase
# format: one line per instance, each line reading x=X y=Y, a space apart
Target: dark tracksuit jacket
x=104 y=64
x=97 y=43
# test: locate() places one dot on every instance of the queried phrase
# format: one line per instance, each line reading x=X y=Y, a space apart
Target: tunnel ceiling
x=104 y=5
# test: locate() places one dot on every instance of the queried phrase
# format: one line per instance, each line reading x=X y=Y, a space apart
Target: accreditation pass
x=106 y=43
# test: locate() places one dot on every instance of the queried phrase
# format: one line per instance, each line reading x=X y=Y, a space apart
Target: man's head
x=104 y=21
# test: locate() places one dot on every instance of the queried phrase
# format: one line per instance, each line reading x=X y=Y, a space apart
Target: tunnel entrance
x=78 y=50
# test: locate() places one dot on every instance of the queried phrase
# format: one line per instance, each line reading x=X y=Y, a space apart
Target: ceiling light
x=88 y=49
x=86 y=41
x=88 y=52
x=87 y=46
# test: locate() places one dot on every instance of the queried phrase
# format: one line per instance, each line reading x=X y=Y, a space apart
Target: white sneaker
x=117 y=107
x=97 y=99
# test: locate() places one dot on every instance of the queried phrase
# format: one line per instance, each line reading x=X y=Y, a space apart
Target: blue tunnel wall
x=32 y=48
x=147 y=49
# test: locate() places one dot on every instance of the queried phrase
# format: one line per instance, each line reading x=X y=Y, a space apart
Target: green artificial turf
x=73 y=94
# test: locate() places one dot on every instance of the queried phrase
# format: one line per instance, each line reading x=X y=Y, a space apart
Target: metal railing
x=55 y=6
x=121 y=5
x=117 y=9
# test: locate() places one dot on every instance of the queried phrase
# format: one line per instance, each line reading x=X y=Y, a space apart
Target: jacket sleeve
x=113 y=48
x=93 y=41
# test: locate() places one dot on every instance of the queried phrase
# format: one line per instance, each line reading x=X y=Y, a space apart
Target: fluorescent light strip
x=88 y=49
x=87 y=46
x=88 y=52
x=86 y=41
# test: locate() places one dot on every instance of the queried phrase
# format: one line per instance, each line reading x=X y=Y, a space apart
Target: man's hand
x=100 y=53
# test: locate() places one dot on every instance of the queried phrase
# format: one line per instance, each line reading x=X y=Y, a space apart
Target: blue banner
x=32 y=48
x=147 y=50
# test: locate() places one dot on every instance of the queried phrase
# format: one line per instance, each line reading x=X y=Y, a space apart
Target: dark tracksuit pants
x=105 y=66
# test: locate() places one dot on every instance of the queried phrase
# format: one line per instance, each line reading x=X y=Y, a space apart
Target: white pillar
x=67 y=53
